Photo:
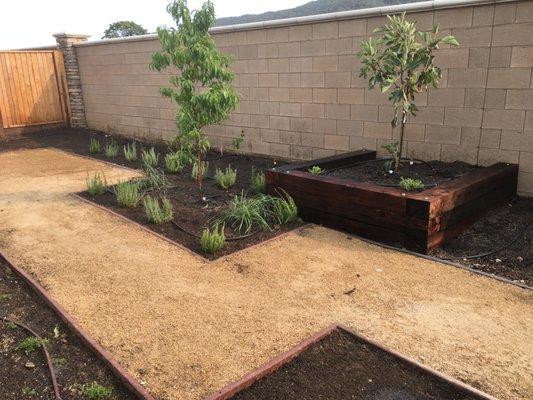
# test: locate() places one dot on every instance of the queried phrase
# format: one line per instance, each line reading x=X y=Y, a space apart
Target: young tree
x=123 y=29
x=402 y=66
x=203 y=88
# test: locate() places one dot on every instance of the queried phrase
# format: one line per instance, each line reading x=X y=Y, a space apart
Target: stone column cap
x=70 y=35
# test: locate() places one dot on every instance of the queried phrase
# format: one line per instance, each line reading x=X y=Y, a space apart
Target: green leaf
x=451 y=40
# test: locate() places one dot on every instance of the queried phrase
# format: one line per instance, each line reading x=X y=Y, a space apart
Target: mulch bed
x=431 y=173
x=342 y=366
x=75 y=364
x=509 y=228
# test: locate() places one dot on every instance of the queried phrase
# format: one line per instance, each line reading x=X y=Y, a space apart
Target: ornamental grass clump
x=226 y=179
x=155 y=178
x=97 y=185
x=245 y=213
x=94 y=146
x=130 y=152
x=157 y=212
x=204 y=167
x=127 y=194
x=150 y=157
x=213 y=241
x=173 y=163
x=203 y=87
x=258 y=181
x=400 y=62
x=284 y=208
x=410 y=184
x=111 y=149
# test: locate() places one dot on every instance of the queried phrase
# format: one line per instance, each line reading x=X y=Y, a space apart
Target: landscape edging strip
x=277 y=362
x=120 y=373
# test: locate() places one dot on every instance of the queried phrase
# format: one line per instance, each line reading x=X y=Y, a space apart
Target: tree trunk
x=400 y=148
x=200 y=169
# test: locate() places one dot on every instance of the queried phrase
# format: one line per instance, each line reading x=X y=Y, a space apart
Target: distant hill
x=311 y=8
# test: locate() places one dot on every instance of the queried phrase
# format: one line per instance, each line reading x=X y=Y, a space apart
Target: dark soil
x=509 y=226
x=75 y=364
x=431 y=173
x=341 y=366
x=191 y=211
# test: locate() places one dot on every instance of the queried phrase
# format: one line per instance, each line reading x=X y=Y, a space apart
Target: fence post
x=65 y=42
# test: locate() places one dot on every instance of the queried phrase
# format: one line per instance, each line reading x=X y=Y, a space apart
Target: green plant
x=130 y=151
x=284 y=208
x=244 y=213
x=111 y=149
x=204 y=167
x=5 y=296
x=315 y=170
x=237 y=142
x=203 y=88
x=29 y=392
x=59 y=362
x=411 y=184
x=393 y=150
x=398 y=63
x=173 y=163
x=258 y=181
x=212 y=241
x=95 y=391
x=30 y=344
x=94 y=146
x=127 y=194
x=97 y=185
x=150 y=157
x=155 y=178
x=155 y=212
x=226 y=179
x=10 y=325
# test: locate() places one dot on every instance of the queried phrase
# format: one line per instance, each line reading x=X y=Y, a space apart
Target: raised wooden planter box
x=416 y=221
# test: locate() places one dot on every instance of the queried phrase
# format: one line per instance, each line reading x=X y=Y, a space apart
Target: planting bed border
x=276 y=363
x=418 y=221
x=134 y=387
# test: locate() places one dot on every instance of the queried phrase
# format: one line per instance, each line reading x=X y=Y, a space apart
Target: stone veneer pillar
x=65 y=43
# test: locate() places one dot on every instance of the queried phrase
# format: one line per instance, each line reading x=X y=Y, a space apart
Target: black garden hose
x=230 y=239
x=51 y=368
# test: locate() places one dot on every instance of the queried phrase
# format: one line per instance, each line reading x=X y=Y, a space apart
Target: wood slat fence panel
x=33 y=89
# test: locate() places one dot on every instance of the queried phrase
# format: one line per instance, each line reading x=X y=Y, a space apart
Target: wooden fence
x=33 y=90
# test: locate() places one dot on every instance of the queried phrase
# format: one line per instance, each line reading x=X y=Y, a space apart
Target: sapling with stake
x=400 y=62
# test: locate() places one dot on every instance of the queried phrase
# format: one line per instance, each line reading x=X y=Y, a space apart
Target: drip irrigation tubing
x=380 y=159
x=51 y=368
x=230 y=239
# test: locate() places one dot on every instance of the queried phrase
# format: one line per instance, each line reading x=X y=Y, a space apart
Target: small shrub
x=237 y=142
x=226 y=179
x=127 y=194
x=212 y=241
x=173 y=163
x=5 y=296
x=59 y=362
x=29 y=392
x=204 y=168
x=155 y=212
x=244 y=213
x=410 y=184
x=393 y=150
x=95 y=391
x=315 y=170
x=130 y=152
x=10 y=325
x=284 y=208
x=94 y=146
x=30 y=344
x=97 y=185
x=150 y=157
x=155 y=178
x=111 y=149
x=258 y=181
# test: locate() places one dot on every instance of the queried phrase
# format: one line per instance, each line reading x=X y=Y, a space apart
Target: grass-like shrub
x=111 y=149
x=128 y=194
x=94 y=146
x=212 y=241
x=284 y=208
x=150 y=157
x=156 y=212
x=245 y=212
x=130 y=152
x=258 y=181
x=97 y=185
x=173 y=162
x=226 y=179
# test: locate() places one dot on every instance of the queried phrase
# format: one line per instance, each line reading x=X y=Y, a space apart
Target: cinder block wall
x=302 y=97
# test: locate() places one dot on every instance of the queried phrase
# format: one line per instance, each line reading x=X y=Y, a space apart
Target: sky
x=31 y=23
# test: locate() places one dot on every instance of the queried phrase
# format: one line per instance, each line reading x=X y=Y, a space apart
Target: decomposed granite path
x=185 y=327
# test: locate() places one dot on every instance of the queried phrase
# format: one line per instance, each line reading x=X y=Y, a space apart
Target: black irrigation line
x=230 y=239
x=381 y=159
x=51 y=368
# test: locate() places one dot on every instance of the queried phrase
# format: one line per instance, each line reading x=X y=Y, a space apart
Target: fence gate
x=33 y=91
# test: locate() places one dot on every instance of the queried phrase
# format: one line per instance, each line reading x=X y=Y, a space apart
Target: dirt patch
x=341 y=366
x=431 y=173
x=187 y=327
x=508 y=229
x=75 y=365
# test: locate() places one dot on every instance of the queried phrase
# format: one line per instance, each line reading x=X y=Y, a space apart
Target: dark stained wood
x=417 y=221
